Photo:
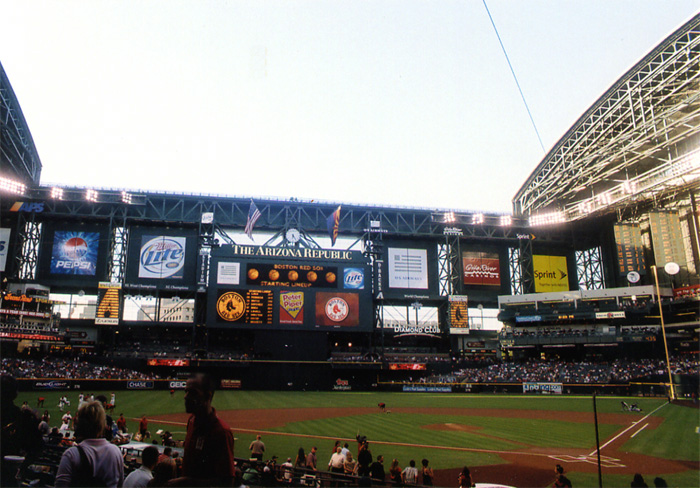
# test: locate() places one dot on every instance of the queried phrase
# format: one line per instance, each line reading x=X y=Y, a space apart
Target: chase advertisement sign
x=139 y=385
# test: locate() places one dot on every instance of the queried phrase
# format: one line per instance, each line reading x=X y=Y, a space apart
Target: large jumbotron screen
x=255 y=287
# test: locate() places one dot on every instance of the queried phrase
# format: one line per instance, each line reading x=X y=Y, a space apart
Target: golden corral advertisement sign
x=550 y=273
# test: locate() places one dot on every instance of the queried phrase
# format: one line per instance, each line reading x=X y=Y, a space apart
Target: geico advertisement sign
x=177 y=385
x=139 y=385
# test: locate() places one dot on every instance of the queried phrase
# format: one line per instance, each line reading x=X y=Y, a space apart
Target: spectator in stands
x=464 y=479
x=208 y=459
x=395 y=472
x=364 y=459
x=300 y=462
x=287 y=470
x=140 y=477
x=20 y=434
x=561 y=481
x=350 y=465
x=110 y=423
x=311 y=460
x=166 y=458
x=336 y=464
x=162 y=475
x=44 y=428
x=257 y=448
x=94 y=461
x=638 y=482
x=376 y=471
x=427 y=473
x=409 y=476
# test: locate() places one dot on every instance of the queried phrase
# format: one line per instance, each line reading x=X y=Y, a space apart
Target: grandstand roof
x=19 y=158
x=638 y=143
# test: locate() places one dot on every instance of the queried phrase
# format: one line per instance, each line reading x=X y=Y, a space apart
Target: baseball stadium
x=361 y=329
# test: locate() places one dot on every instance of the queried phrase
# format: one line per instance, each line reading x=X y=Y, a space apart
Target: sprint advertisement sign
x=550 y=273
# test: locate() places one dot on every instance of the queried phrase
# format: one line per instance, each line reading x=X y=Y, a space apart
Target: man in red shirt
x=208 y=458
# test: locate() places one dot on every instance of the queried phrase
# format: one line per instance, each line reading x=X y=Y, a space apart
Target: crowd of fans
x=54 y=367
x=580 y=372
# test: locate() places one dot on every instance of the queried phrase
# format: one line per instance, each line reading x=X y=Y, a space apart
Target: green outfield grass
x=675 y=439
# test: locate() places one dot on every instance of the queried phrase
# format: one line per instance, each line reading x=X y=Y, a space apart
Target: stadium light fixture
x=449 y=218
x=12 y=186
x=547 y=219
x=477 y=219
x=506 y=220
x=126 y=198
x=91 y=195
x=57 y=193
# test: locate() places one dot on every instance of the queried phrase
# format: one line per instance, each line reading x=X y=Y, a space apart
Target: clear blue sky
x=391 y=102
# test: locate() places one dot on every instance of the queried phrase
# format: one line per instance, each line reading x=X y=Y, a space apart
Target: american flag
x=253 y=216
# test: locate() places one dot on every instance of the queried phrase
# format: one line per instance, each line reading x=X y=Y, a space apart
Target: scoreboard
x=255 y=287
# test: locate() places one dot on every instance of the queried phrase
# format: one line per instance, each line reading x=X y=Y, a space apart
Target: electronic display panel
x=337 y=309
x=245 y=306
x=73 y=253
x=630 y=248
x=292 y=275
x=160 y=258
x=408 y=269
x=295 y=291
x=108 y=303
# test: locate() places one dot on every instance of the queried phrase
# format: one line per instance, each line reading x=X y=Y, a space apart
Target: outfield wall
x=350 y=383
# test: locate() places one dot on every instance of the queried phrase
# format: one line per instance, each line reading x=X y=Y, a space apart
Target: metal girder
x=231 y=213
x=648 y=122
x=17 y=151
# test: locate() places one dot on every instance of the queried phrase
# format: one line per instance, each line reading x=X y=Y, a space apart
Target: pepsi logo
x=75 y=248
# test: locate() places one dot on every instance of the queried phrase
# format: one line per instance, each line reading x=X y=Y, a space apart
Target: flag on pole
x=333 y=222
x=253 y=216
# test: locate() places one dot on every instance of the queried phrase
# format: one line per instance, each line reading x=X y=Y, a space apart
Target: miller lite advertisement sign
x=161 y=259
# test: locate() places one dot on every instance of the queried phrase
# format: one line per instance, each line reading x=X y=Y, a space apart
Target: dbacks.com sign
x=162 y=257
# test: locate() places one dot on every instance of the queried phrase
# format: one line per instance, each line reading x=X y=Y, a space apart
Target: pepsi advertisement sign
x=75 y=253
x=161 y=258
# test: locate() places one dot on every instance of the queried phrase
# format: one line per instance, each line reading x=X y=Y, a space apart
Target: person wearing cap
x=287 y=470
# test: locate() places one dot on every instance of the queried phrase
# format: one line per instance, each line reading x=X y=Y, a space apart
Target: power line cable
x=514 y=77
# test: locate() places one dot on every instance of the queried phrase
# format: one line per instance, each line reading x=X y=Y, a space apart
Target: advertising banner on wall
x=291 y=307
x=4 y=247
x=459 y=313
x=550 y=273
x=161 y=258
x=481 y=268
x=73 y=253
